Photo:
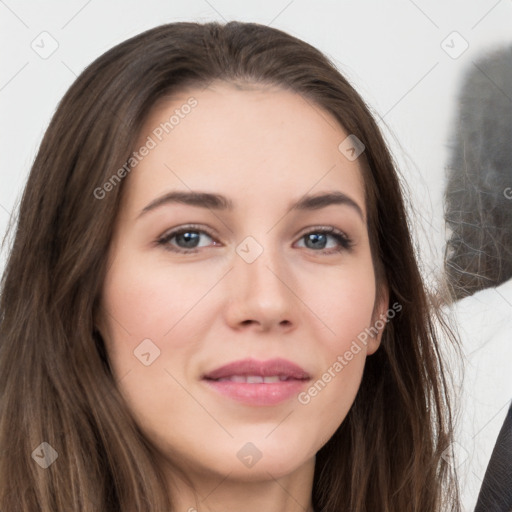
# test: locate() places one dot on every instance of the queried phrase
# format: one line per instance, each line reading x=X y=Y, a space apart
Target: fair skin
x=304 y=298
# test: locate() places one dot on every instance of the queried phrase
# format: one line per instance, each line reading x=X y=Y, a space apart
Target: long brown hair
x=55 y=380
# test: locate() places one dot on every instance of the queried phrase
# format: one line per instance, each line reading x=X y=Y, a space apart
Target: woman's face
x=241 y=241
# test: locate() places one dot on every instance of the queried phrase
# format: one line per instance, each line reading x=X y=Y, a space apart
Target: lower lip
x=258 y=393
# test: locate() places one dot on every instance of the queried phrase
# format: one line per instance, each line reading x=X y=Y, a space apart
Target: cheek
x=344 y=300
x=148 y=325
x=345 y=305
x=150 y=300
x=331 y=393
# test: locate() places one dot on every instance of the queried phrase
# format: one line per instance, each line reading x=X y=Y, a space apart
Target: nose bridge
x=258 y=287
x=257 y=264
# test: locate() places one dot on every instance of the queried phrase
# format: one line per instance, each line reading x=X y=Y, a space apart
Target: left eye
x=319 y=238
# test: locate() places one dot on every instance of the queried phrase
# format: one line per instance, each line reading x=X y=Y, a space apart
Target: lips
x=254 y=379
x=257 y=383
x=257 y=372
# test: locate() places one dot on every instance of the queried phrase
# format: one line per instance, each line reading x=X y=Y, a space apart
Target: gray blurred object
x=478 y=194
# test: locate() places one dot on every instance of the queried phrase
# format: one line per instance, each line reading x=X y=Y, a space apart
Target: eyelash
x=344 y=241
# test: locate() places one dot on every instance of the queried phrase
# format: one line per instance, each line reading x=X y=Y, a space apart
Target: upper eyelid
x=188 y=227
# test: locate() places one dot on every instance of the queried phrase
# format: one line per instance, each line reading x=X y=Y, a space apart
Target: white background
x=392 y=52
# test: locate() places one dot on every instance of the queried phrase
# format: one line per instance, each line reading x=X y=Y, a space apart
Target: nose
x=260 y=294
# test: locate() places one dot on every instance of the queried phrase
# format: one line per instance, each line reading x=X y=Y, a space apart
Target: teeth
x=254 y=379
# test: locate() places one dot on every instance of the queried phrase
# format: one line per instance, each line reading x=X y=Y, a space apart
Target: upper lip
x=281 y=367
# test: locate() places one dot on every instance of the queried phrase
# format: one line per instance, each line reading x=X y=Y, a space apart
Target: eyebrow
x=220 y=202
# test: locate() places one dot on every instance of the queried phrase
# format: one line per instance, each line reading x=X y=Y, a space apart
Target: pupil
x=318 y=240
x=189 y=238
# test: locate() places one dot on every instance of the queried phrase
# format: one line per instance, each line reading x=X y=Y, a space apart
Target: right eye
x=186 y=239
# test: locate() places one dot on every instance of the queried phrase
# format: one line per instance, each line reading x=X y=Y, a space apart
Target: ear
x=380 y=318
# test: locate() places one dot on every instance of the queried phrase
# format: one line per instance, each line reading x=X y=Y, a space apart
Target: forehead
x=254 y=142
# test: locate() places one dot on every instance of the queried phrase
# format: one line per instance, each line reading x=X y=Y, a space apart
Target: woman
x=212 y=301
